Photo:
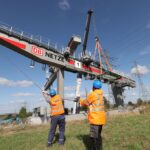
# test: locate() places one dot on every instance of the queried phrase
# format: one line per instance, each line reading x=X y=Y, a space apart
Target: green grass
x=130 y=132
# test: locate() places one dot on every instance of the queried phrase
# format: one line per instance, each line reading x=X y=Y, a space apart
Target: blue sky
x=123 y=28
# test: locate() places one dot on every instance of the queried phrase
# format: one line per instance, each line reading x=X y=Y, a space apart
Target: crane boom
x=47 y=54
x=86 y=31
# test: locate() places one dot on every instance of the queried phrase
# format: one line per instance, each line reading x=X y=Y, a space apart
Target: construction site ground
x=127 y=131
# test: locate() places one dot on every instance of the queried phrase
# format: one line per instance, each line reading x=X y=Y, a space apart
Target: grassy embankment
x=128 y=132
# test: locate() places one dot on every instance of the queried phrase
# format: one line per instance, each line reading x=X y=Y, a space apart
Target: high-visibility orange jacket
x=95 y=103
x=56 y=105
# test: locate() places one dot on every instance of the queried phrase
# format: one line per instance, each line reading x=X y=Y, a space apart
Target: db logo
x=37 y=51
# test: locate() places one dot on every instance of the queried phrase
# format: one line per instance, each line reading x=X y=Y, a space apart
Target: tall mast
x=86 y=31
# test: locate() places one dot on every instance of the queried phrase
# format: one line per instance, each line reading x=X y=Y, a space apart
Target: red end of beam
x=13 y=43
x=70 y=61
x=90 y=69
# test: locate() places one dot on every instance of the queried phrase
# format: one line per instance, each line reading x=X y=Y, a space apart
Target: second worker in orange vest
x=57 y=116
x=96 y=114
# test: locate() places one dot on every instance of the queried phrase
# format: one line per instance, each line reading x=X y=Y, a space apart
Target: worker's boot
x=92 y=145
x=97 y=144
x=49 y=145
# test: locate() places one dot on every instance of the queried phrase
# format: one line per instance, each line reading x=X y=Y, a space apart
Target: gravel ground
x=83 y=115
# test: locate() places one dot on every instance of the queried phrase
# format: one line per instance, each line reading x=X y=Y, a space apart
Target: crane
x=48 y=54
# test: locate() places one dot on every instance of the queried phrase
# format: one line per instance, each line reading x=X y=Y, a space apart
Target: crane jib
x=48 y=54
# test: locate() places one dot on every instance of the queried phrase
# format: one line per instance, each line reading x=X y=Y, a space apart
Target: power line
x=21 y=71
x=143 y=93
x=132 y=44
x=138 y=29
x=129 y=39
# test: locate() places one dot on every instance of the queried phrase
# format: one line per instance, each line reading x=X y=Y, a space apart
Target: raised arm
x=46 y=96
x=90 y=98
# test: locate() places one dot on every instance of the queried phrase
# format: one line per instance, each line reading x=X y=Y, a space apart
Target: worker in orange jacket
x=57 y=116
x=96 y=114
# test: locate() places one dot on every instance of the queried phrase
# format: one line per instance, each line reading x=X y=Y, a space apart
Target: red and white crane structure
x=48 y=54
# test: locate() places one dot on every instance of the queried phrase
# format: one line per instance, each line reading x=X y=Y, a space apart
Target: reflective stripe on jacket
x=95 y=103
x=56 y=105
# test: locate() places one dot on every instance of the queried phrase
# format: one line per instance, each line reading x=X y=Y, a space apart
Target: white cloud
x=145 y=51
x=64 y=5
x=11 y=83
x=72 y=94
x=140 y=70
x=134 y=93
x=24 y=83
x=23 y=94
x=69 y=88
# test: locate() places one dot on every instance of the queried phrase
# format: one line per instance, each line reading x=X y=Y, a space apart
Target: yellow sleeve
x=83 y=102
x=91 y=98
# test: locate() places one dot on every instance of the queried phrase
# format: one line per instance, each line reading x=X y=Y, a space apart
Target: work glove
x=77 y=99
x=45 y=92
x=81 y=102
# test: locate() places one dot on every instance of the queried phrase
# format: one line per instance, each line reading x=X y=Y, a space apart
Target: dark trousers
x=95 y=137
x=60 y=121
